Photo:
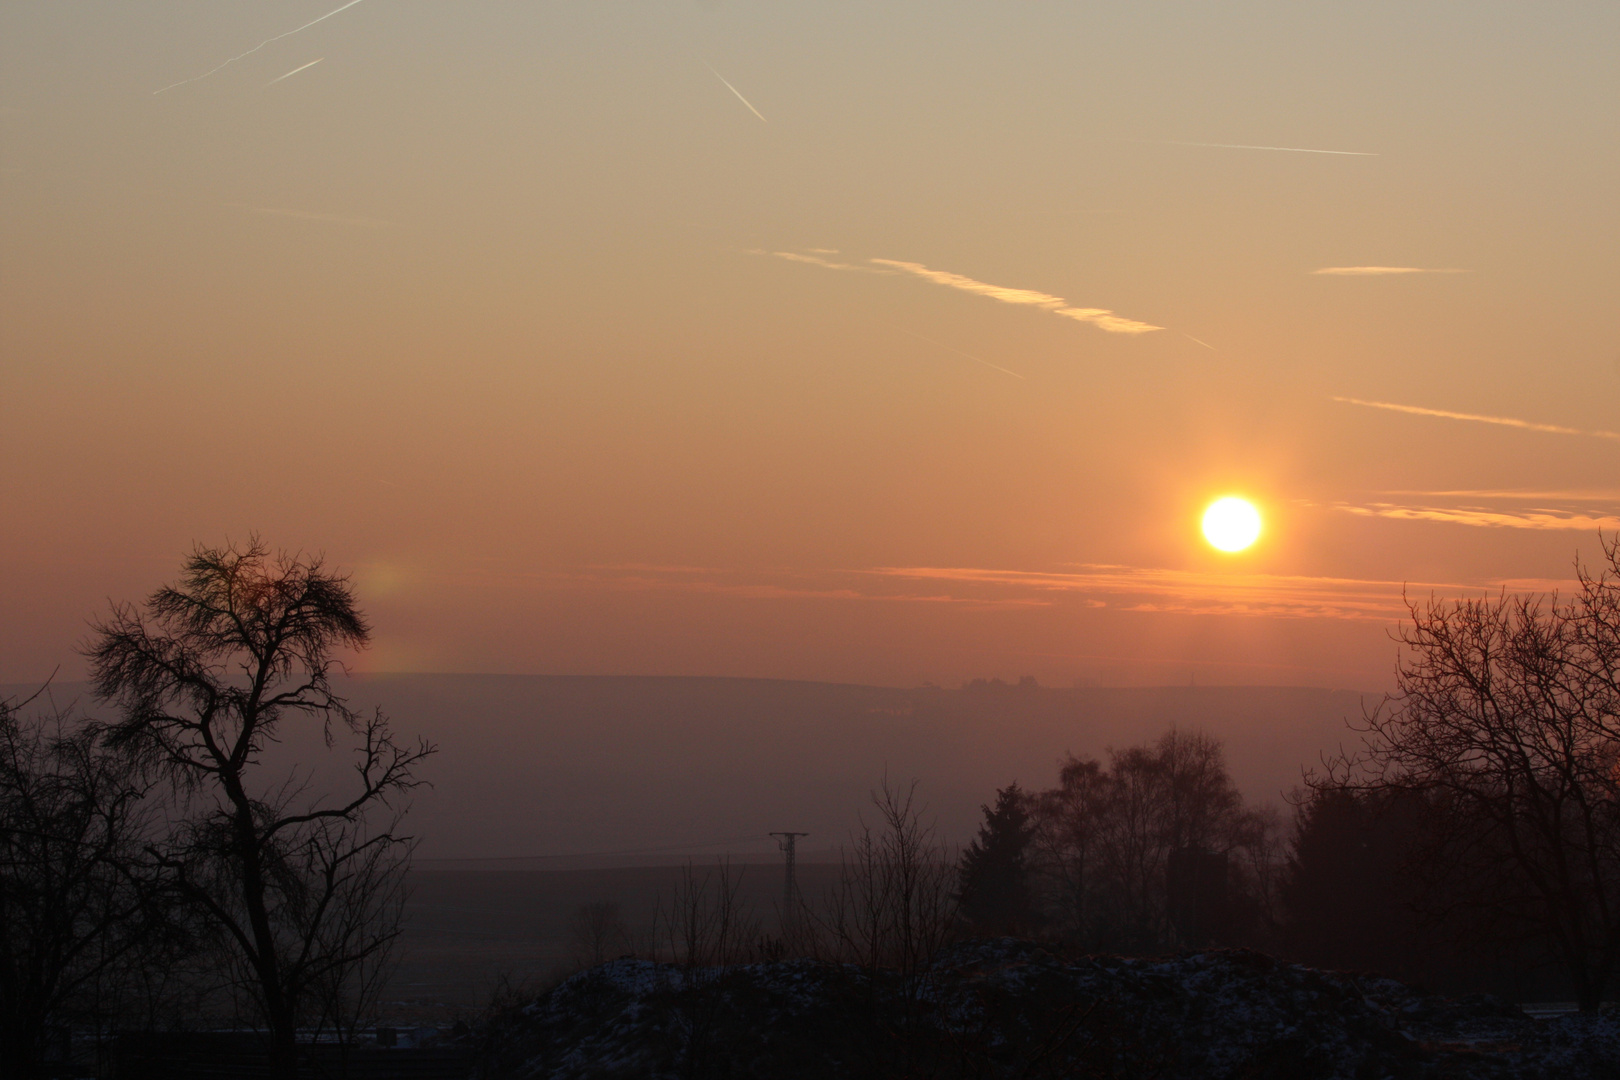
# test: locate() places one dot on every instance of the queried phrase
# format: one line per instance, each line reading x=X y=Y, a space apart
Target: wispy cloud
x=817 y=260
x=1246 y=146
x=1191 y=592
x=740 y=98
x=1099 y=317
x=307 y=215
x=1378 y=271
x=256 y=48
x=1519 y=494
x=295 y=71
x=1187 y=591
x=1487 y=517
x=1504 y=421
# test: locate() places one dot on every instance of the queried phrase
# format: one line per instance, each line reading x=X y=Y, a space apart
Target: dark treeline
x=1152 y=850
x=1360 y=895
x=1472 y=842
x=1155 y=852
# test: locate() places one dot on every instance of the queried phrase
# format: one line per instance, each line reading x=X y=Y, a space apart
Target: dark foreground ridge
x=1009 y=1008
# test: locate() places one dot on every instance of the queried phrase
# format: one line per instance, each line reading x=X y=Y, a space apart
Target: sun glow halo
x=1231 y=524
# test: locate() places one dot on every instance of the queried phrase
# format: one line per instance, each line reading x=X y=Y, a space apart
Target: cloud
x=1099 y=317
x=1612 y=495
x=1376 y=271
x=306 y=215
x=1191 y=592
x=1485 y=517
x=1505 y=421
x=817 y=260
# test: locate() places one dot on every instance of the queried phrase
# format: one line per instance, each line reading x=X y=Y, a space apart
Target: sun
x=1231 y=524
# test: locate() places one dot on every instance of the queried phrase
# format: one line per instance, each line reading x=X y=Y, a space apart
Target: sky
x=879 y=342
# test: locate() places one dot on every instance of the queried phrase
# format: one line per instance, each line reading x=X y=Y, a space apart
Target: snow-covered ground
x=1014 y=1008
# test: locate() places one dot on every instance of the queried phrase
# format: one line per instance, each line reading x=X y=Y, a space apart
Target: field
x=468 y=930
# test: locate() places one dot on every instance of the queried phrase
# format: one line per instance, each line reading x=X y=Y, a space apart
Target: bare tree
x=707 y=924
x=598 y=932
x=1506 y=723
x=71 y=910
x=1202 y=806
x=364 y=877
x=1132 y=849
x=895 y=904
x=1108 y=839
x=204 y=675
x=1066 y=848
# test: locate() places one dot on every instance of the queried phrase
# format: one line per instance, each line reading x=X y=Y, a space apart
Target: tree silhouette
x=1506 y=721
x=204 y=676
x=993 y=882
x=1349 y=890
x=71 y=819
x=1154 y=849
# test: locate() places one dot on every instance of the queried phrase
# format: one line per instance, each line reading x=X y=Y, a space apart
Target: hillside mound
x=1007 y=1008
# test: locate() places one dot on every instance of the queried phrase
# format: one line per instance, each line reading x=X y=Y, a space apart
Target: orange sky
x=874 y=342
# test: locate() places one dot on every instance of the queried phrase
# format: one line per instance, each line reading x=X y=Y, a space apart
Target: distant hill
x=657 y=767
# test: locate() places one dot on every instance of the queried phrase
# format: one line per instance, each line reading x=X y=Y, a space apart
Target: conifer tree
x=993 y=879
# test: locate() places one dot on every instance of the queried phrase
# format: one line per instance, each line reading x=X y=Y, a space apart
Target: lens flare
x=1231 y=524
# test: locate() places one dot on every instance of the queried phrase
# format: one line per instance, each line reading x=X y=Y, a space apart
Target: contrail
x=1244 y=146
x=959 y=352
x=1505 y=421
x=1205 y=344
x=733 y=89
x=262 y=44
x=293 y=72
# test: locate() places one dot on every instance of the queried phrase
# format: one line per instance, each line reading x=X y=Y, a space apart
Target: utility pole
x=790 y=884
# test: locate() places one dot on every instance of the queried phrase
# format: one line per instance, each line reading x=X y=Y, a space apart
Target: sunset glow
x=1231 y=524
x=596 y=339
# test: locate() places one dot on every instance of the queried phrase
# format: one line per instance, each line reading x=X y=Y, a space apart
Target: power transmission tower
x=790 y=885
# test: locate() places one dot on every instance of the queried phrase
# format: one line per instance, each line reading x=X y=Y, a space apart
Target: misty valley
x=209 y=862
